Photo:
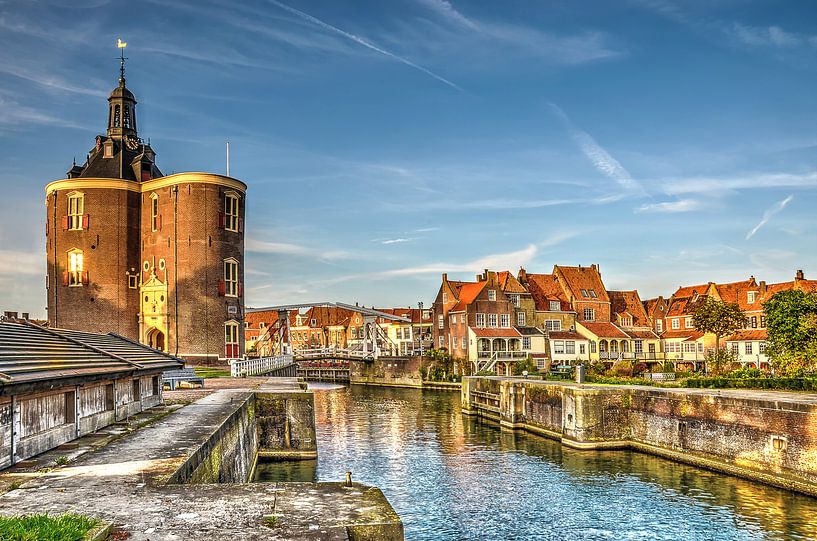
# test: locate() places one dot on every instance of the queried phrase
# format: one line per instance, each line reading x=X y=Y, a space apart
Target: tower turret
x=121 y=108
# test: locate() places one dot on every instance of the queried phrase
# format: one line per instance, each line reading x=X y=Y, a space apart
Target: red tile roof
x=496 y=333
x=748 y=334
x=623 y=302
x=686 y=334
x=689 y=291
x=468 y=292
x=565 y=335
x=586 y=278
x=545 y=288
x=645 y=334
x=738 y=293
x=328 y=316
x=604 y=329
x=508 y=283
x=683 y=306
x=412 y=313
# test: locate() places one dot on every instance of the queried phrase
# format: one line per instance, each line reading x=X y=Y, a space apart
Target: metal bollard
x=348 y=478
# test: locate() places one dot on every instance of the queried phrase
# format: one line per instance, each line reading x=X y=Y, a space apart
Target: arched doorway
x=156 y=339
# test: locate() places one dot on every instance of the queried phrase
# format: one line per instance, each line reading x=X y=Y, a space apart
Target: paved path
x=124 y=483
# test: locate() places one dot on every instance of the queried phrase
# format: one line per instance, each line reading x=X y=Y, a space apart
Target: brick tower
x=158 y=259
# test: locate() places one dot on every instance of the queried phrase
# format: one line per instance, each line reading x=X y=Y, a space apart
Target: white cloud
x=396 y=241
x=765 y=36
x=710 y=185
x=447 y=10
x=15 y=263
x=363 y=42
x=669 y=207
x=768 y=214
x=284 y=248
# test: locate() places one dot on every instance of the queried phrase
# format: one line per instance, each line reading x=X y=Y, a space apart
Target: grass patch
x=42 y=527
x=209 y=372
x=271 y=521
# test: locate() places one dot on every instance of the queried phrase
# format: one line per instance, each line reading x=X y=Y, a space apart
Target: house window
x=688 y=322
x=638 y=346
x=581 y=349
x=464 y=343
x=441 y=341
x=748 y=348
x=515 y=300
x=762 y=322
x=75 y=268
x=154 y=213
x=462 y=318
x=593 y=293
x=735 y=348
x=555 y=306
x=553 y=325
x=453 y=318
x=480 y=320
x=751 y=296
x=491 y=294
x=504 y=321
x=526 y=342
x=589 y=314
x=76 y=207
x=231 y=212
x=626 y=322
x=313 y=322
x=231 y=278
x=761 y=348
x=231 y=340
x=521 y=319
x=592 y=347
x=659 y=325
x=492 y=320
x=107 y=150
x=570 y=347
x=133 y=281
x=584 y=293
x=440 y=322
x=753 y=322
x=700 y=347
x=676 y=323
x=445 y=298
x=558 y=346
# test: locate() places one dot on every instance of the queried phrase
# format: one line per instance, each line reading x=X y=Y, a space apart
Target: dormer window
x=555 y=306
x=626 y=321
x=751 y=296
x=592 y=293
x=107 y=149
x=584 y=293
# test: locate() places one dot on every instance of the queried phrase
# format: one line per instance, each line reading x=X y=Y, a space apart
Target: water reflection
x=454 y=477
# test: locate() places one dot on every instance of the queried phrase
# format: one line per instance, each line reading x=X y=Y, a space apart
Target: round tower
x=158 y=259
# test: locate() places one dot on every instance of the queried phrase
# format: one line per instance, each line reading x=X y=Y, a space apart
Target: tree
x=791 y=324
x=719 y=318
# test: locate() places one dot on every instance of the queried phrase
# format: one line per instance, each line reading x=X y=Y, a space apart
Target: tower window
x=231 y=340
x=231 y=212
x=155 y=219
x=75 y=267
x=126 y=117
x=231 y=278
x=76 y=206
x=116 y=113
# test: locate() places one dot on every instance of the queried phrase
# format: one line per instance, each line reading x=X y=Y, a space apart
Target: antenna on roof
x=228 y=158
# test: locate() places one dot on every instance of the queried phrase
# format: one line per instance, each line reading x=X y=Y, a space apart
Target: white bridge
x=262 y=365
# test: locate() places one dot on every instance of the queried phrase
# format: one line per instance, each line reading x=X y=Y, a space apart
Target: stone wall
x=767 y=437
x=286 y=425
x=396 y=372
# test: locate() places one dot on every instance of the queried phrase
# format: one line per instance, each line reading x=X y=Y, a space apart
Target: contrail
x=601 y=159
x=361 y=41
x=767 y=215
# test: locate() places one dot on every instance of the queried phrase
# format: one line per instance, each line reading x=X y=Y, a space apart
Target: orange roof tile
x=748 y=334
x=583 y=278
x=738 y=293
x=644 y=334
x=508 y=283
x=493 y=332
x=468 y=292
x=689 y=291
x=686 y=334
x=604 y=329
x=545 y=288
x=622 y=302
x=565 y=335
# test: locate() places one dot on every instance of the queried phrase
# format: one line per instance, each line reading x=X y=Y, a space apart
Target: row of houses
x=335 y=327
x=569 y=316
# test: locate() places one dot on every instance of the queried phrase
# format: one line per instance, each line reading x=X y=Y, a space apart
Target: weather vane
x=121 y=45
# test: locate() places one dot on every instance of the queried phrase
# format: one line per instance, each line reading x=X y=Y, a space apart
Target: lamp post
x=420 y=334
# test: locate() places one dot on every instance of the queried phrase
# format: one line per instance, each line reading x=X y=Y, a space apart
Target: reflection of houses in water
x=57 y=385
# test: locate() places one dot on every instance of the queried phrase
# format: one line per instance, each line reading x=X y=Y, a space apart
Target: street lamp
x=420 y=334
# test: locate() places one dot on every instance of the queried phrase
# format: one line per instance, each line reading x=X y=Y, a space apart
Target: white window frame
x=676 y=323
x=515 y=299
x=464 y=343
x=558 y=347
x=462 y=317
x=688 y=322
x=492 y=294
x=591 y=312
x=504 y=321
x=521 y=319
x=748 y=349
x=231 y=212
x=230 y=277
x=154 y=212
x=440 y=321
x=526 y=342
x=480 y=320
x=751 y=296
x=553 y=324
x=570 y=347
x=659 y=325
x=76 y=265
x=492 y=320
x=76 y=209
x=555 y=306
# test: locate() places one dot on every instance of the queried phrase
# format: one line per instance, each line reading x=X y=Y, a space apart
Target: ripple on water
x=452 y=477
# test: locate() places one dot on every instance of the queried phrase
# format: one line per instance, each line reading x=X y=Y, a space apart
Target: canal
x=451 y=477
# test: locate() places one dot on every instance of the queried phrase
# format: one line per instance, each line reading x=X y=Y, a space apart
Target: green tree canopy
x=719 y=318
x=791 y=323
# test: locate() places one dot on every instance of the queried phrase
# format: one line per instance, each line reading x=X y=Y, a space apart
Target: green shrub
x=43 y=527
x=528 y=365
x=621 y=369
x=618 y=380
x=788 y=384
x=743 y=373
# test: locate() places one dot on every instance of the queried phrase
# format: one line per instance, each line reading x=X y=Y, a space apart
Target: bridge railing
x=260 y=365
x=320 y=353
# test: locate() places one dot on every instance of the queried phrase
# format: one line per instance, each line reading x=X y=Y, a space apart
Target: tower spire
x=121 y=46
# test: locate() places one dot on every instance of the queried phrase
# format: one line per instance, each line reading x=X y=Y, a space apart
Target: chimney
x=762 y=287
x=799 y=275
x=522 y=276
x=25 y=316
x=445 y=277
x=479 y=277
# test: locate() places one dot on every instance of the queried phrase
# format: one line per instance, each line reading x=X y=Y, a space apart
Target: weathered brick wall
x=403 y=372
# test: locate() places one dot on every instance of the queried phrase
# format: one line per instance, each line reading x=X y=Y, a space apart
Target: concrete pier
x=185 y=478
x=764 y=436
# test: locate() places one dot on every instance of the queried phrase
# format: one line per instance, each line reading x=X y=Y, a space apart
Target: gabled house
x=656 y=310
x=681 y=343
x=630 y=316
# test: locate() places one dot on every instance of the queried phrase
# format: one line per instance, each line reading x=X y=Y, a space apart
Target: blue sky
x=386 y=142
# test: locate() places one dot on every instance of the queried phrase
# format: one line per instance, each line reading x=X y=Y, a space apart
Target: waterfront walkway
x=125 y=483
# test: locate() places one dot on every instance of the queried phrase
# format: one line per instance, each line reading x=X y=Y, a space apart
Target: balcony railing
x=502 y=355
